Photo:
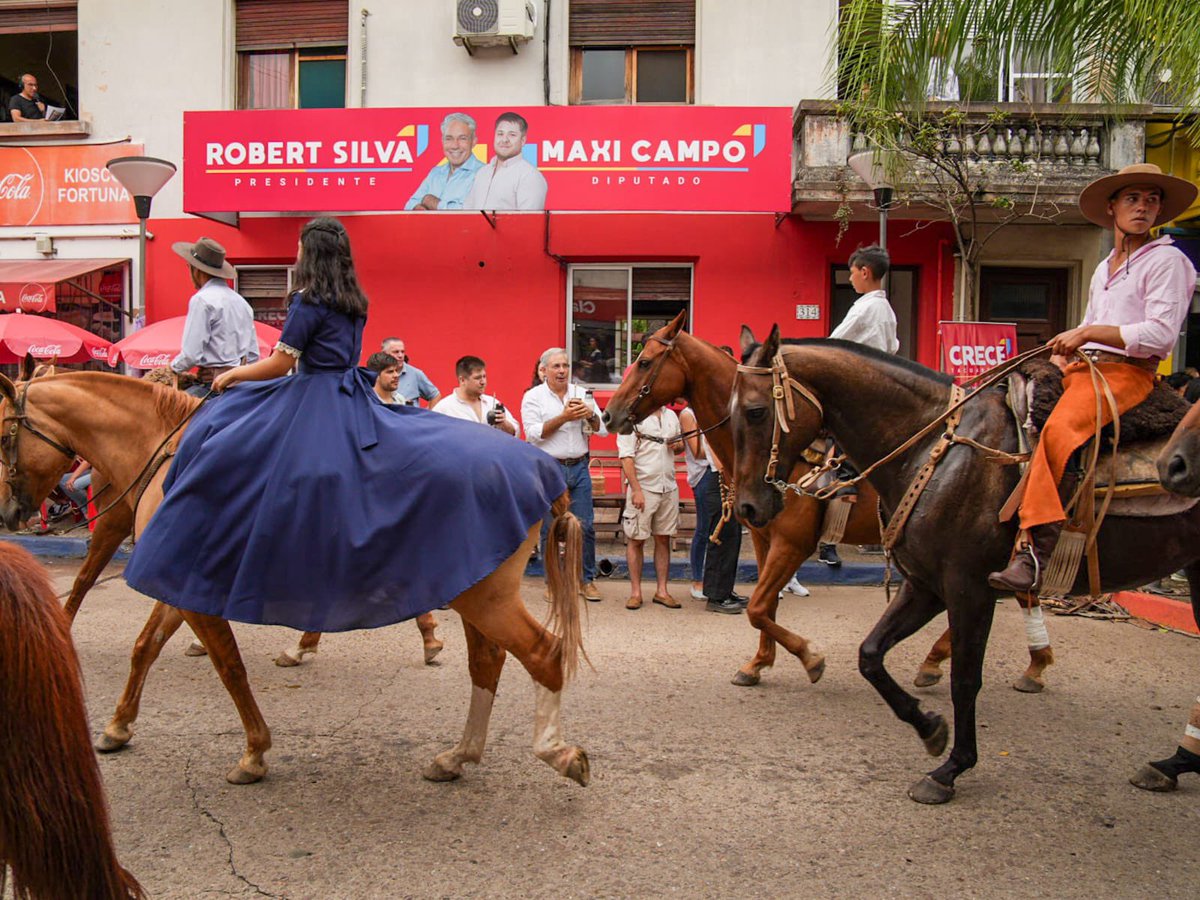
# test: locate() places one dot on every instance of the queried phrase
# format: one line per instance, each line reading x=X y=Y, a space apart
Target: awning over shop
x=30 y=284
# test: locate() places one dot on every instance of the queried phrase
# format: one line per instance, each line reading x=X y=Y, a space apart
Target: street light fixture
x=871 y=167
x=143 y=177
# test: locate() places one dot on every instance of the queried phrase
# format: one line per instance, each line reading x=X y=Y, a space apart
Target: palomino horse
x=676 y=364
x=873 y=403
x=116 y=524
x=54 y=828
x=98 y=415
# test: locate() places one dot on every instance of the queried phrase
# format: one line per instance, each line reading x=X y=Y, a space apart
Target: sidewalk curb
x=58 y=547
x=1165 y=611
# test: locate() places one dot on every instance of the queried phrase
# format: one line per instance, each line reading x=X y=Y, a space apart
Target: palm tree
x=1116 y=51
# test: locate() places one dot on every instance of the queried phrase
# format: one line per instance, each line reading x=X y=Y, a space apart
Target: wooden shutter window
x=674 y=284
x=23 y=18
x=284 y=24
x=263 y=283
x=623 y=23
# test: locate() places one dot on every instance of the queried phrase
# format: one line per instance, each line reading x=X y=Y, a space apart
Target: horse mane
x=171 y=405
x=879 y=356
x=54 y=827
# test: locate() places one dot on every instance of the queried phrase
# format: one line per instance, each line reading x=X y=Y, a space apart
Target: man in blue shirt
x=414 y=386
x=447 y=184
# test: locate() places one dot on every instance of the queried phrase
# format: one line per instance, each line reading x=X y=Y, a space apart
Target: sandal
x=669 y=602
x=633 y=603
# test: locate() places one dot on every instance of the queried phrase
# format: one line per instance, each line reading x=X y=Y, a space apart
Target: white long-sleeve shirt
x=539 y=405
x=507 y=184
x=218 y=331
x=870 y=321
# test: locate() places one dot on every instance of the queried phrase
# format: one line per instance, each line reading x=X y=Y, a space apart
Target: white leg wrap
x=298 y=653
x=470 y=748
x=547 y=732
x=1035 y=629
x=1193 y=732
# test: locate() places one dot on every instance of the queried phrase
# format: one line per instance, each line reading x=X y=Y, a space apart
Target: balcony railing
x=1041 y=154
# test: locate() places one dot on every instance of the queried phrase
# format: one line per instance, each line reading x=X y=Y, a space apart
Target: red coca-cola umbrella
x=159 y=343
x=48 y=338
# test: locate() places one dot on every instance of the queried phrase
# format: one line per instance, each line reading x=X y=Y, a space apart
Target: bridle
x=644 y=392
x=11 y=425
x=783 y=386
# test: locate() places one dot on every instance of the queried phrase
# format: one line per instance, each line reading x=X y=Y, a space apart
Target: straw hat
x=206 y=255
x=1177 y=194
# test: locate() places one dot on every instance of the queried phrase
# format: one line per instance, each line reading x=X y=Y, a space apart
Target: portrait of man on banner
x=508 y=181
x=449 y=182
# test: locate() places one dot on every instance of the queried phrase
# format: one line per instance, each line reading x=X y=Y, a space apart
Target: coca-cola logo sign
x=22 y=189
x=100 y=353
x=152 y=362
x=35 y=297
x=46 y=350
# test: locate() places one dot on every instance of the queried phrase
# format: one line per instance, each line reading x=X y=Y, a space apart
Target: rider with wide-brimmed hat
x=1137 y=302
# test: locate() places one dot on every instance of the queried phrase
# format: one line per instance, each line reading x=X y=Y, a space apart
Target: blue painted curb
x=58 y=547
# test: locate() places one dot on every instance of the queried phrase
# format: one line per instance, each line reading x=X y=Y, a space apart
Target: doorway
x=1035 y=300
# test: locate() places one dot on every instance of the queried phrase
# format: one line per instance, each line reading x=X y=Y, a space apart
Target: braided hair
x=325 y=269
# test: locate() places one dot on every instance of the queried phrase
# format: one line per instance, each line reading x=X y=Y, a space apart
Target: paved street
x=698 y=788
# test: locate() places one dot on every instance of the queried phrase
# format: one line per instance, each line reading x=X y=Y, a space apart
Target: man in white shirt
x=468 y=400
x=651 y=500
x=554 y=414
x=508 y=181
x=218 y=332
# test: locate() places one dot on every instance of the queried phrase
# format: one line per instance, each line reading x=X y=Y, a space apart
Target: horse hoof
x=243 y=774
x=1027 y=685
x=816 y=671
x=935 y=744
x=431 y=652
x=1149 y=778
x=285 y=660
x=195 y=648
x=743 y=679
x=927 y=678
x=109 y=743
x=931 y=792
x=439 y=771
x=579 y=770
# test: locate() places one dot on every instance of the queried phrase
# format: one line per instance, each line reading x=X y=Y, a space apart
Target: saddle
x=1035 y=388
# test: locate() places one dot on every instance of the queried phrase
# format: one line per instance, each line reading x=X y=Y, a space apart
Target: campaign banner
x=62 y=185
x=971 y=348
x=585 y=158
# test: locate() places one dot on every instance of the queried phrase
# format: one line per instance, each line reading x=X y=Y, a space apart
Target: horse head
x=773 y=422
x=33 y=462
x=1179 y=462
x=655 y=379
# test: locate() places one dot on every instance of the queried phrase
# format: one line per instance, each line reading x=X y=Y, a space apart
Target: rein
x=20 y=419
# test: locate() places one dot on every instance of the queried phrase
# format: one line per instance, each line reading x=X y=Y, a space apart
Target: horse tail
x=54 y=827
x=563 y=581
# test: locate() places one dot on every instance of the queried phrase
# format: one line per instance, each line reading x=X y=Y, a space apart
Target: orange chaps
x=1071 y=424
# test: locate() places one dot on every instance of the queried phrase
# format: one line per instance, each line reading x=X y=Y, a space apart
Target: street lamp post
x=870 y=167
x=143 y=177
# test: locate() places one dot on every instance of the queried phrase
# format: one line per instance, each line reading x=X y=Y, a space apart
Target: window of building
x=611 y=309
x=632 y=52
x=901 y=289
x=42 y=40
x=266 y=289
x=291 y=53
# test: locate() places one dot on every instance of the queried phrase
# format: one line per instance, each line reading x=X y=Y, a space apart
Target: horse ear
x=8 y=390
x=28 y=365
x=771 y=344
x=676 y=324
x=747 y=339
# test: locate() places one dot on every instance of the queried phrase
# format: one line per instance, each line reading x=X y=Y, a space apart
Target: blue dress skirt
x=304 y=501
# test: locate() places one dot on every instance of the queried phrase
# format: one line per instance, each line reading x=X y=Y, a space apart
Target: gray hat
x=206 y=255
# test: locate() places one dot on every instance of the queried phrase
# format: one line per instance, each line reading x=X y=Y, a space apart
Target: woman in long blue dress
x=304 y=501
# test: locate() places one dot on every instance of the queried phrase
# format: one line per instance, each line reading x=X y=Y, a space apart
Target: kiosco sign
x=63 y=185
x=970 y=348
x=526 y=158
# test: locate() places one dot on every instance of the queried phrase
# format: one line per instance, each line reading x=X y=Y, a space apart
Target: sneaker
x=590 y=592
x=729 y=606
x=795 y=587
x=697 y=595
x=828 y=554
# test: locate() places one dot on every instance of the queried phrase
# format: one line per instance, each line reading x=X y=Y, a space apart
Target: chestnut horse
x=676 y=364
x=54 y=829
x=873 y=403
x=116 y=524
x=100 y=416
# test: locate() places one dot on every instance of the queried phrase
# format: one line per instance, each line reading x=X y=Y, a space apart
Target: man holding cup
x=468 y=400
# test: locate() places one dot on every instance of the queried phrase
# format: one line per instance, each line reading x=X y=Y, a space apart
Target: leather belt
x=573 y=461
x=1150 y=364
x=205 y=374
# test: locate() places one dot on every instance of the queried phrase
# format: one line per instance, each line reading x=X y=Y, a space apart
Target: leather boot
x=1024 y=572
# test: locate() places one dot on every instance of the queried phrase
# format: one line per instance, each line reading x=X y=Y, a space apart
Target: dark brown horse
x=872 y=403
x=1179 y=472
x=99 y=416
x=676 y=364
x=54 y=829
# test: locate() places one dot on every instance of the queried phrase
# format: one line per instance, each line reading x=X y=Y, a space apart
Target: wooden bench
x=608 y=499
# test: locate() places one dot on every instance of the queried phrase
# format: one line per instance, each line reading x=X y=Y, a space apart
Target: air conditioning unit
x=491 y=23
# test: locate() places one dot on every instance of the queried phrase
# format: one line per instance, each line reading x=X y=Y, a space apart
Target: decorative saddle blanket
x=1036 y=387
